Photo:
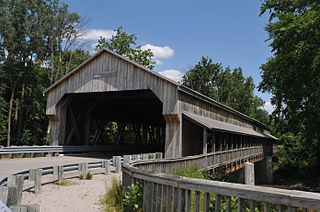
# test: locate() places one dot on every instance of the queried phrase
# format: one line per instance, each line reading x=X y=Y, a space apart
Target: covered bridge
x=108 y=91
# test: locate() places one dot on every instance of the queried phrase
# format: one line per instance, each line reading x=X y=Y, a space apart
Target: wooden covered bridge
x=109 y=93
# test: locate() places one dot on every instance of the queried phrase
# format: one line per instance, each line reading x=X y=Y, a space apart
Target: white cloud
x=268 y=107
x=94 y=34
x=159 y=51
x=172 y=74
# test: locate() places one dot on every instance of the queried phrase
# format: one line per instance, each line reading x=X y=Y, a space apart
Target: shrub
x=133 y=199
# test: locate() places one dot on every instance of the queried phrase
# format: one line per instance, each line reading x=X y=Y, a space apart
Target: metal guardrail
x=49 y=170
x=14 y=151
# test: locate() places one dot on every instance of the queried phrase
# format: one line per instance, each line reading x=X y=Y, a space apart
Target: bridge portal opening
x=119 y=121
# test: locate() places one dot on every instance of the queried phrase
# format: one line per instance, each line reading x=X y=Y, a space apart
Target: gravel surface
x=80 y=196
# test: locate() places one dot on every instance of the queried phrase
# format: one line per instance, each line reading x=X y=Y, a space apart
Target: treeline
x=37 y=40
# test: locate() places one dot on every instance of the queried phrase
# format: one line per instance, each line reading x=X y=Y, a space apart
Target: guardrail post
x=3 y=194
x=17 y=181
x=114 y=161
x=60 y=174
x=37 y=181
x=32 y=174
x=118 y=164
x=84 y=169
x=33 y=208
x=18 y=208
x=126 y=158
x=107 y=170
x=12 y=198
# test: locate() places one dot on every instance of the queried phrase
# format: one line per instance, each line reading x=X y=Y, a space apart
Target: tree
x=65 y=61
x=125 y=45
x=292 y=74
x=227 y=86
x=31 y=32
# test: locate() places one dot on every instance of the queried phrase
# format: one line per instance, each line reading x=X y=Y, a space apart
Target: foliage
x=32 y=35
x=125 y=45
x=292 y=76
x=133 y=198
x=112 y=200
x=192 y=172
x=87 y=176
x=226 y=86
x=65 y=61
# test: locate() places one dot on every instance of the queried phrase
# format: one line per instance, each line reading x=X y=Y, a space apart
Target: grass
x=87 y=176
x=65 y=183
x=192 y=172
x=112 y=199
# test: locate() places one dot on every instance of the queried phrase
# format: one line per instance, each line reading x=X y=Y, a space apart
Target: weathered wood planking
x=108 y=72
x=183 y=187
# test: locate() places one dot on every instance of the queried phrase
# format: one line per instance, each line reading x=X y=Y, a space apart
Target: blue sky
x=180 y=32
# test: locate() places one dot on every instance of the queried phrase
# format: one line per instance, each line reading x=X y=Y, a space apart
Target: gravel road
x=80 y=196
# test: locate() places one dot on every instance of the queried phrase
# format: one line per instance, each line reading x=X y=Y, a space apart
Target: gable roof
x=76 y=69
x=180 y=87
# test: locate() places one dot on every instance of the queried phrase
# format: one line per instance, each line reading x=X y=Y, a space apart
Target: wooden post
x=37 y=181
x=32 y=174
x=18 y=208
x=3 y=194
x=60 y=174
x=204 y=142
x=12 y=198
x=84 y=169
x=33 y=208
x=107 y=167
x=126 y=158
x=17 y=181
x=118 y=164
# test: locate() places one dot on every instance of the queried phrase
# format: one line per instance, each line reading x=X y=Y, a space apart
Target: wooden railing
x=164 y=192
x=208 y=161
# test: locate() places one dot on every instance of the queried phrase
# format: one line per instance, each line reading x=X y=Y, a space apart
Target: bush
x=134 y=198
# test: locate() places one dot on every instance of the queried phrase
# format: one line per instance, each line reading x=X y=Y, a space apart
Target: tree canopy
x=227 y=86
x=292 y=74
x=33 y=35
x=125 y=45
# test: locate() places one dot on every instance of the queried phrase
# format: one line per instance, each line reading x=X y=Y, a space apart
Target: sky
x=179 y=32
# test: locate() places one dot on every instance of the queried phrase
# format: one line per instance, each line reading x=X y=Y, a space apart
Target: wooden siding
x=108 y=72
x=197 y=106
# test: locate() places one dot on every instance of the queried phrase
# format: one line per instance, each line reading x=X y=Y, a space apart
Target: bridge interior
x=122 y=120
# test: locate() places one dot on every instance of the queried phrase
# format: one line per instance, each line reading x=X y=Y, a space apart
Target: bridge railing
x=174 y=193
x=208 y=161
x=162 y=191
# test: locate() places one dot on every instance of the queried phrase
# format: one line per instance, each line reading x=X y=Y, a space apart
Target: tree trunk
x=9 y=117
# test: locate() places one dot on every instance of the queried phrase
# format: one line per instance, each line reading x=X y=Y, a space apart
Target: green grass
x=87 y=176
x=192 y=172
x=112 y=200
